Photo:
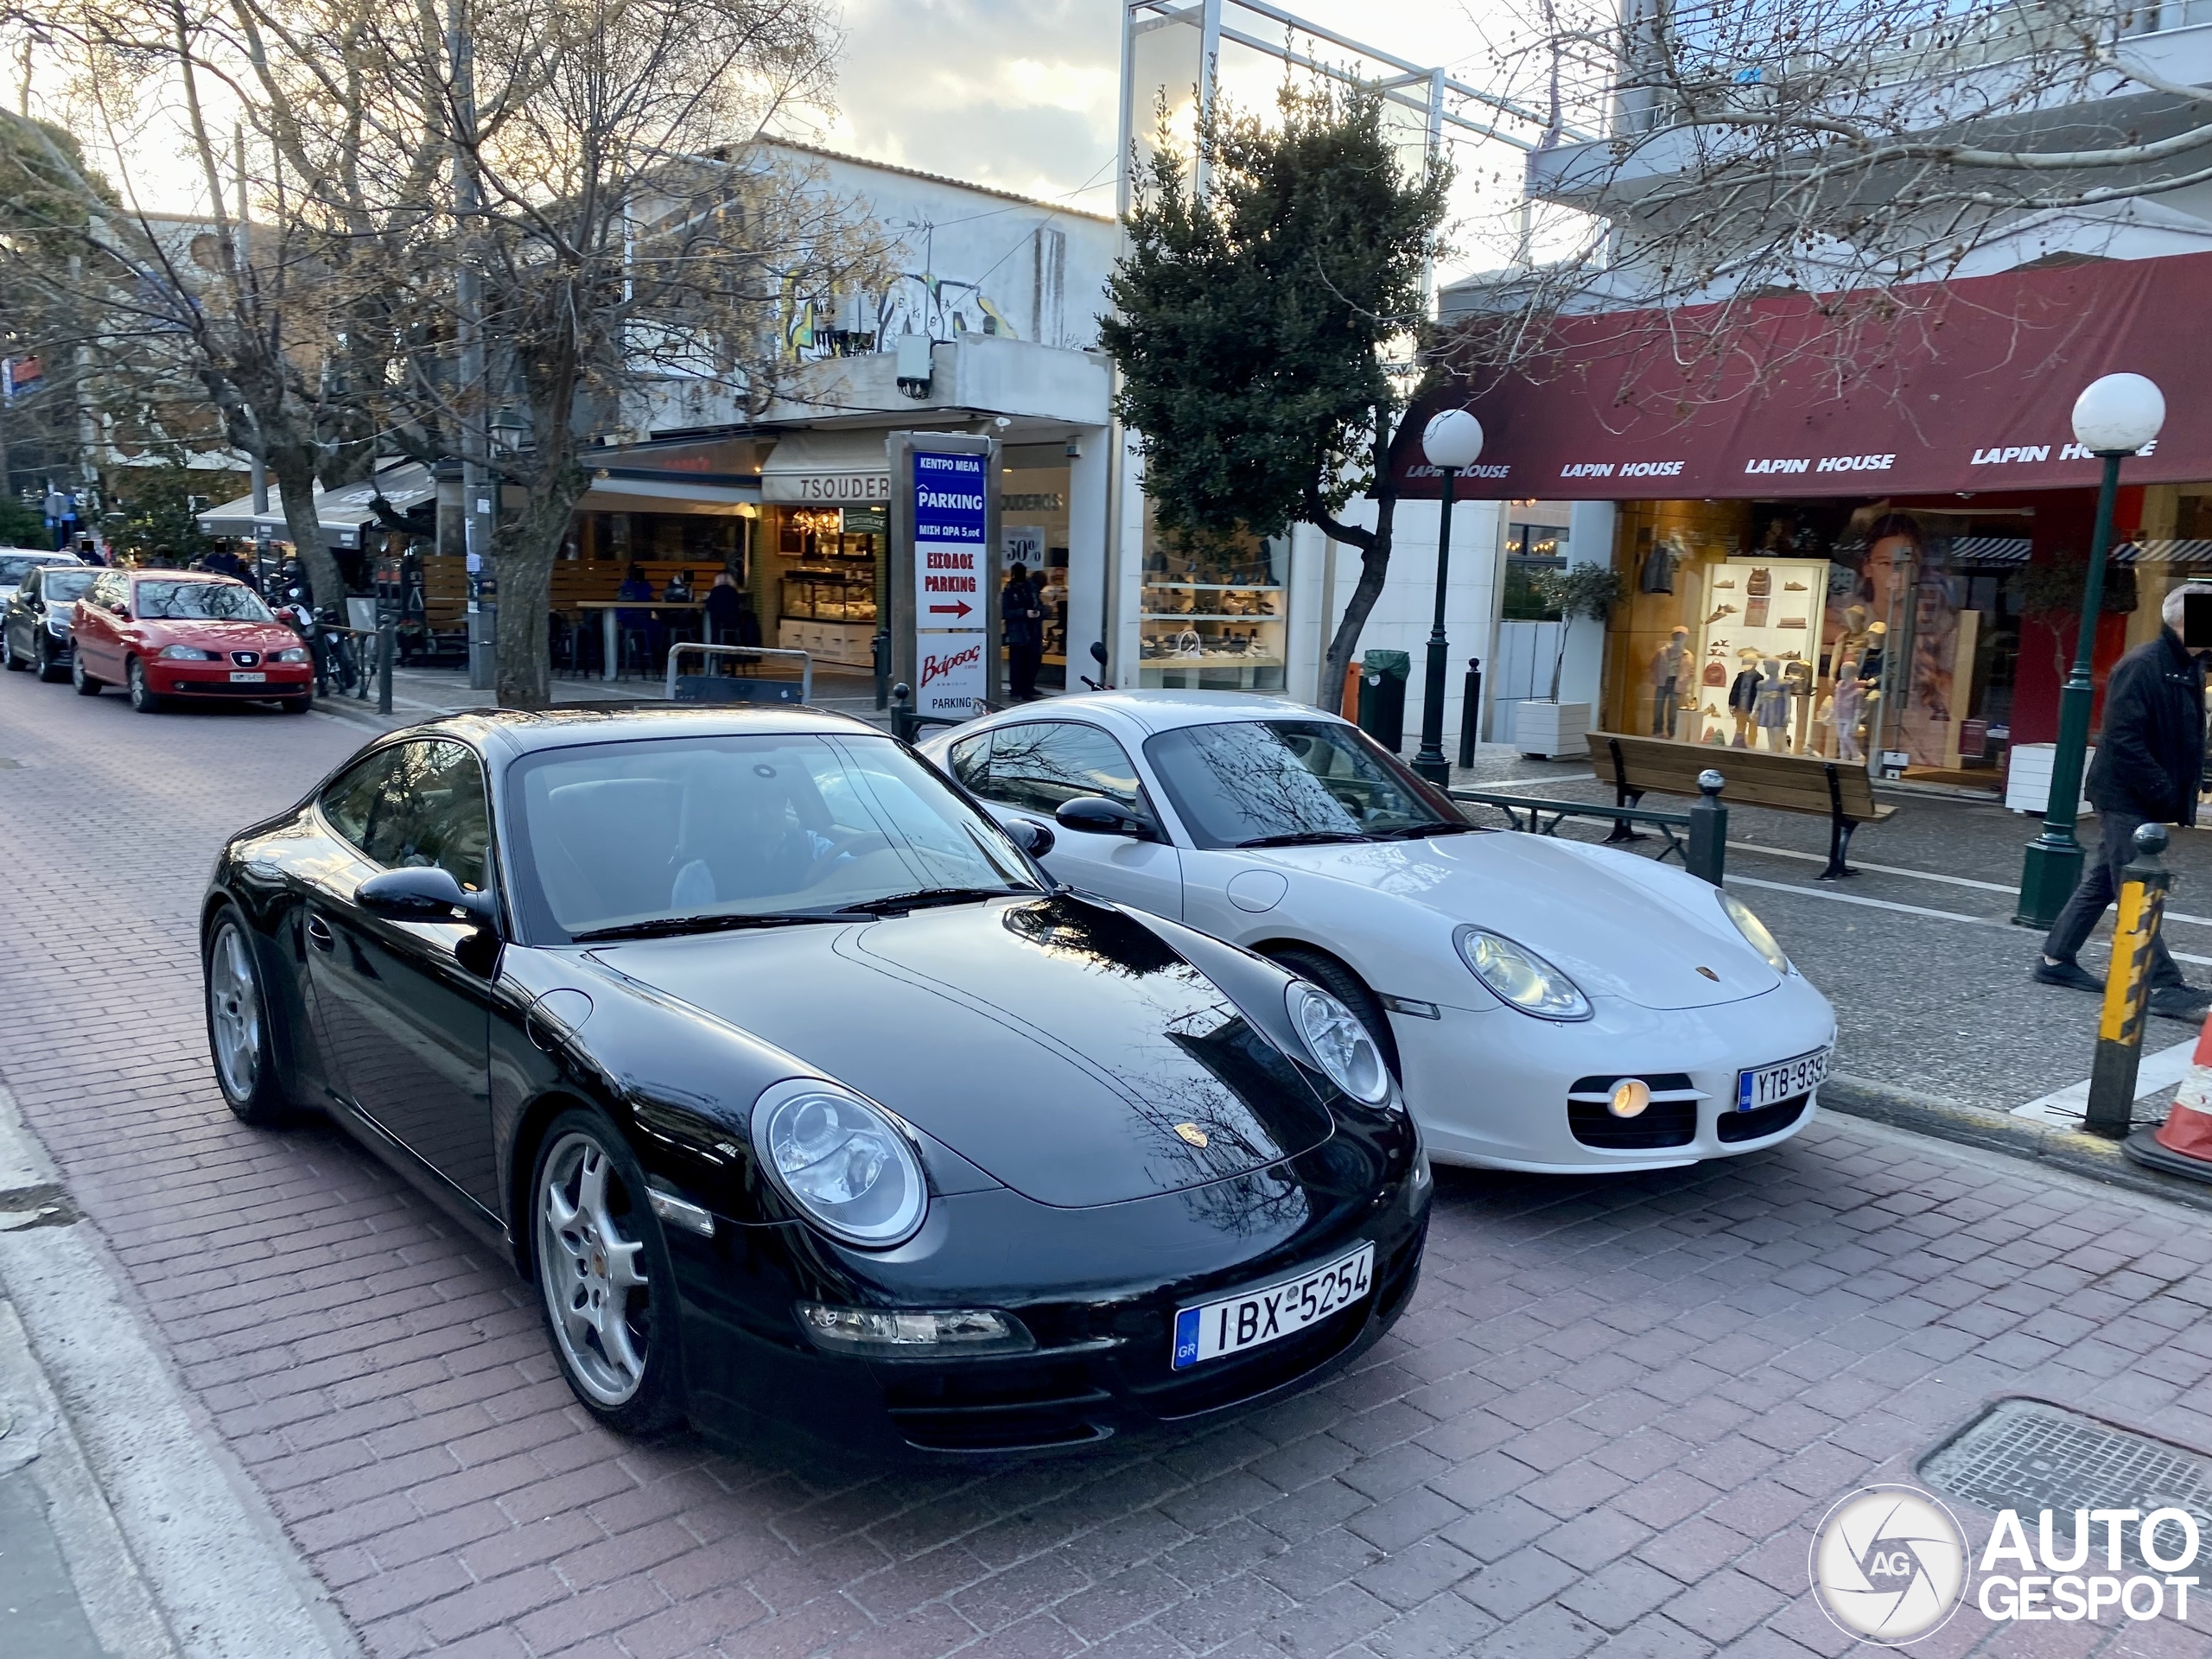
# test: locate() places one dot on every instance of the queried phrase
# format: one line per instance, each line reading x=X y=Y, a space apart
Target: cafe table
x=611 y=656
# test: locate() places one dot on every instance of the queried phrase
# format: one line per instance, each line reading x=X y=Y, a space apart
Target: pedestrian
x=724 y=602
x=2149 y=767
x=1022 y=625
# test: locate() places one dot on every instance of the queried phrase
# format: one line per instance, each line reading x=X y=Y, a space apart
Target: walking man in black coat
x=2149 y=766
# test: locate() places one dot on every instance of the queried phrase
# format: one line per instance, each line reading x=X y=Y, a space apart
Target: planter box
x=2027 y=778
x=1546 y=730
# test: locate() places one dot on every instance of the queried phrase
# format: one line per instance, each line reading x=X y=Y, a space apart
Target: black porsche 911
x=805 y=1099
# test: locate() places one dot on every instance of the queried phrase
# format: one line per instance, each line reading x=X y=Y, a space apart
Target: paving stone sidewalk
x=1607 y=1424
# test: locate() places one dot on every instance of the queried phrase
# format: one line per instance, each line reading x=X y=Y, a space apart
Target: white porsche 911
x=1548 y=1005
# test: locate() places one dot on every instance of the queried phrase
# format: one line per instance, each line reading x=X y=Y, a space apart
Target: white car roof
x=1164 y=710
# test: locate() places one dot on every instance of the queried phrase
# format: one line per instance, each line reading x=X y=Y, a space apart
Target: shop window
x=1215 y=618
x=1530 y=549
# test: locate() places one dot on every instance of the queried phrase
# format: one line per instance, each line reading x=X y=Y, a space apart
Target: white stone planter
x=1549 y=730
x=2027 y=778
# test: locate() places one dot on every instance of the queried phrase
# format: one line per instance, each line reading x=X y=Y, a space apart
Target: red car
x=186 y=634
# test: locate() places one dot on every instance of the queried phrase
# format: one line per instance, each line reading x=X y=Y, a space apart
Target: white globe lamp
x=1454 y=438
x=2119 y=414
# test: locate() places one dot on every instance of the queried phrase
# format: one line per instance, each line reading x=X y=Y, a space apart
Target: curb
x=1947 y=1120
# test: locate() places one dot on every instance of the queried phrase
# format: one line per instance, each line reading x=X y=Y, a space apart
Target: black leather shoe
x=2072 y=974
x=2181 y=1003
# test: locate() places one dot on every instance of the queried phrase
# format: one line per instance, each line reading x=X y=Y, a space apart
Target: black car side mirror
x=423 y=893
x=1094 y=815
x=1032 y=837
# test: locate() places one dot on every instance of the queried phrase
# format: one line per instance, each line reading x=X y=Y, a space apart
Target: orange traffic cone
x=2183 y=1144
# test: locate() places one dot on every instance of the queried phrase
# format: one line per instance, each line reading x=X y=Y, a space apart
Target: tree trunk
x=1374 y=547
x=525 y=568
x=291 y=466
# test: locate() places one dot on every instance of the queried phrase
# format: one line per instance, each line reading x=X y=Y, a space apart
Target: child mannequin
x=1849 y=694
x=1773 y=707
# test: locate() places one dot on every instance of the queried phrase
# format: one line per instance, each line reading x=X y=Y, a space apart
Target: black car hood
x=1054 y=1043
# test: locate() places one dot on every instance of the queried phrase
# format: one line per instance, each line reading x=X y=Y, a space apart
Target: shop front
x=1889 y=574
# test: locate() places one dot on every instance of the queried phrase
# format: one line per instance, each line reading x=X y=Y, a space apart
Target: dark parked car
x=36 y=626
x=801 y=1093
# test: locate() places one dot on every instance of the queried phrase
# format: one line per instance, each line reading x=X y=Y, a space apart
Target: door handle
x=318 y=934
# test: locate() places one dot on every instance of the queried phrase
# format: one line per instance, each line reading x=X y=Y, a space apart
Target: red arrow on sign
x=961 y=609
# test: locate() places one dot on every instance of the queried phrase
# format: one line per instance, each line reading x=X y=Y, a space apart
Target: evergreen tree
x=1267 y=323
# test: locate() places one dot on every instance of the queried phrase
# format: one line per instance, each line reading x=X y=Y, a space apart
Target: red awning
x=1968 y=389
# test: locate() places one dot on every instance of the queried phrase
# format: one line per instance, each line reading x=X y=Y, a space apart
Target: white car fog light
x=913 y=1333
x=1631 y=1096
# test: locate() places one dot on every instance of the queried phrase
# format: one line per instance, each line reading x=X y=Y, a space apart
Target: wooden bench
x=1836 y=789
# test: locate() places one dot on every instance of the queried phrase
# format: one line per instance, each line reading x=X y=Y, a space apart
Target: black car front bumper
x=1101 y=1368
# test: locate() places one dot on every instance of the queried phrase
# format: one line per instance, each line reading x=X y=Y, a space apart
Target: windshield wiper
x=1422 y=831
x=1305 y=838
x=667 y=926
x=896 y=903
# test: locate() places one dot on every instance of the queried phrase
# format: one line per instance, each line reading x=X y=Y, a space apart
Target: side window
x=1040 y=766
x=971 y=763
x=28 y=588
x=350 y=800
x=431 y=810
x=107 y=590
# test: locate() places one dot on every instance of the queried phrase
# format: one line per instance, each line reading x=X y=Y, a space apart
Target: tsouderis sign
x=951 y=565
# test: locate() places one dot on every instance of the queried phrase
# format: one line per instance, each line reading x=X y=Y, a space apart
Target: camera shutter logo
x=1889 y=1565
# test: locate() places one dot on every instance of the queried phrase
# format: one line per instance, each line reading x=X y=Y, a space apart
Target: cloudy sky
x=1021 y=93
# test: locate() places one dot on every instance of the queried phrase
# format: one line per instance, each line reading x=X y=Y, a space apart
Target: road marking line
x=1928 y=875
x=1872 y=904
x=2157 y=1071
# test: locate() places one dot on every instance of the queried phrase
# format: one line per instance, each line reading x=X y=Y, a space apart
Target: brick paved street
x=1607 y=1423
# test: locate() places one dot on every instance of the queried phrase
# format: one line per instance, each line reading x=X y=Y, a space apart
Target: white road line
x=1735 y=880
x=2157 y=1071
x=1927 y=875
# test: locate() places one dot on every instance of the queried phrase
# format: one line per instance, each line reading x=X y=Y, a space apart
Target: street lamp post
x=2114 y=418
x=1451 y=441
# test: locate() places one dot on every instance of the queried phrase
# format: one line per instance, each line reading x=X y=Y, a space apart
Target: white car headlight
x=187 y=654
x=1340 y=1044
x=1754 y=930
x=1519 y=977
x=841 y=1162
x=290 y=654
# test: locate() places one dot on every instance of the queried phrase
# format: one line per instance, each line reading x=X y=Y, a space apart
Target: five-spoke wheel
x=237 y=1023
x=602 y=1268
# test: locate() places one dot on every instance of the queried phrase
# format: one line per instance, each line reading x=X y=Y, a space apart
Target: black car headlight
x=849 y=1169
x=1521 y=978
x=1339 y=1044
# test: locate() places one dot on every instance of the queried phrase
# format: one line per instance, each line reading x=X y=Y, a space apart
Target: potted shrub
x=1550 y=727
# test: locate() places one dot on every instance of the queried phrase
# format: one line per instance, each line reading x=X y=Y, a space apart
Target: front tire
x=237 y=1023
x=86 y=684
x=143 y=698
x=297 y=705
x=48 y=669
x=8 y=660
x=1349 y=989
x=605 y=1280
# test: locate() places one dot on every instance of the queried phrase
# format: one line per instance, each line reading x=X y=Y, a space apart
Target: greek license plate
x=248 y=679
x=1770 y=1084
x=1236 y=1323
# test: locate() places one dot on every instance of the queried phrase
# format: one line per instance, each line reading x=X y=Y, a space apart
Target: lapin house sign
x=942 y=499
x=1968 y=387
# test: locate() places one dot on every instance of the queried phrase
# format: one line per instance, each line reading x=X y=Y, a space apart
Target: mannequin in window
x=1744 y=698
x=1670 y=671
x=1772 y=710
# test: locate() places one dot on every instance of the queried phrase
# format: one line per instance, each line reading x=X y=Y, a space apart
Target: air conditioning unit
x=913 y=365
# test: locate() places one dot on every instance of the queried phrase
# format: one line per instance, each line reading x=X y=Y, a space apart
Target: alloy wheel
x=234 y=1007
x=142 y=694
x=593 y=1270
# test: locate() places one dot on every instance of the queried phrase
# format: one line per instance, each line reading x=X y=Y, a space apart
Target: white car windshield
x=692 y=834
x=1262 y=783
x=13 y=565
x=200 y=602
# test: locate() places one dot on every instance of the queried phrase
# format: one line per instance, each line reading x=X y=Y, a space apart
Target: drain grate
x=2026 y=1456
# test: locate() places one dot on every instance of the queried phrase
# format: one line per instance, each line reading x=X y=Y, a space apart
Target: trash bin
x=1383 y=676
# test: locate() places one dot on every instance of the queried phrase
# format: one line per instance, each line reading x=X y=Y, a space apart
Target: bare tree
x=1865 y=151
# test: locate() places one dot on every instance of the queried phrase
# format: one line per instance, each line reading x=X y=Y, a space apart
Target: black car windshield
x=13 y=565
x=200 y=602
x=665 y=835
x=1259 y=782
x=61 y=584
